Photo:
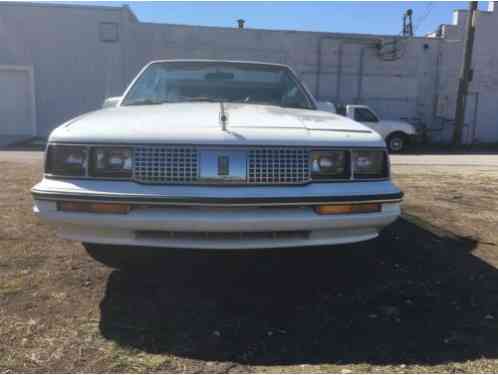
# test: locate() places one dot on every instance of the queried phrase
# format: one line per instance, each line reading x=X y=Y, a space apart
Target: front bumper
x=166 y=211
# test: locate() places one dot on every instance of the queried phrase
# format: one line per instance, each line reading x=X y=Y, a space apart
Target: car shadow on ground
x=414 y=296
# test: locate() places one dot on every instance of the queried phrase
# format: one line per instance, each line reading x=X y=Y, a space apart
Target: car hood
x=200 y=123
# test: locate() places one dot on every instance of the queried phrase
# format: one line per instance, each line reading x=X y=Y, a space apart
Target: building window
x=109 y=32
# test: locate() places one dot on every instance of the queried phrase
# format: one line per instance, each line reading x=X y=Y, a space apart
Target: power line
x=421 y=19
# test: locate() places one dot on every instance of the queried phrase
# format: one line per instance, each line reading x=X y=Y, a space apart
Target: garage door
x=17 y=101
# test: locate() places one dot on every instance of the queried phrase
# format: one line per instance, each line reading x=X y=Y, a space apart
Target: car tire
x=396 y=142
x=119 y=257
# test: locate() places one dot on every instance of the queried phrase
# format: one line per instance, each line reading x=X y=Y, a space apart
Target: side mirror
x=111 y=102
x=326 y=107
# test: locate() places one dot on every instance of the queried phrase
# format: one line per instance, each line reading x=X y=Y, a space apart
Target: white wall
x=74 y=70
x=350 y=69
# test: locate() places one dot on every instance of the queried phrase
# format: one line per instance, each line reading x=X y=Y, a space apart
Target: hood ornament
x=223 y=117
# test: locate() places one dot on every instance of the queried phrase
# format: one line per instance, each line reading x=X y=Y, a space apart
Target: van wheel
x=120 y=257
x=396 y=142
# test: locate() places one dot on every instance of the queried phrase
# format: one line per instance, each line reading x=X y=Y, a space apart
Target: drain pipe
x=349 y=40
x=435 y=99
x=360 y=75
x=474 y=119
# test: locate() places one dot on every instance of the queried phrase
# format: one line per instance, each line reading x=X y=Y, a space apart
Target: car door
x=368 y=118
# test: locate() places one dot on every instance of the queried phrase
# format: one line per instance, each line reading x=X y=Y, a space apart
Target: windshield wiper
x=296 y=106
x=147 y=102
x=201 y=99
x=260 y=102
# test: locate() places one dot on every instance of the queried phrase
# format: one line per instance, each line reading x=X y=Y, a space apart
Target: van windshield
x=176 y=82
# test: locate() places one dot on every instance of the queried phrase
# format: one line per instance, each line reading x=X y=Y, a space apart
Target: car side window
x=364 y=115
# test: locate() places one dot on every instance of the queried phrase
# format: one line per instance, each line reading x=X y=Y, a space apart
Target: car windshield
x=176 y=82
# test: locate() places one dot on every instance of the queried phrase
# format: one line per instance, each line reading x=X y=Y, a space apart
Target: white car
x=397 y=134
x=211 y=154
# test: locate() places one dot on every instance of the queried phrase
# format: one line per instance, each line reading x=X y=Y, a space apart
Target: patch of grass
x=132 y=360
x=59 y=296
x=13 y=285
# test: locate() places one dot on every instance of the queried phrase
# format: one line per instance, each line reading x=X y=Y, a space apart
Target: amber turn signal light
x=96 y=208
x=341 y=209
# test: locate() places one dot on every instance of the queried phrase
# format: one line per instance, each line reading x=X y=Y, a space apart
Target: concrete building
x=58 y=61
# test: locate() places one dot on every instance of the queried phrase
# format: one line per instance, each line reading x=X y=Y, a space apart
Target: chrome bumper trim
x=217 y=202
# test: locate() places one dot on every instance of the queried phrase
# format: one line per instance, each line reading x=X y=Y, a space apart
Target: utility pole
x=465 y=73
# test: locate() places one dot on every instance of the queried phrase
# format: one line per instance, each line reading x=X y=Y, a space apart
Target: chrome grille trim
x=166 y=164
x=180 y=165
x=278 y=165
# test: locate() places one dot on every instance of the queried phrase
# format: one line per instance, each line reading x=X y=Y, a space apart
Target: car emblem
x=226 y=166
x=223 y=165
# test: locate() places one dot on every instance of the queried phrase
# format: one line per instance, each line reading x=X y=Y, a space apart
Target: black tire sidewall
x=399 y=136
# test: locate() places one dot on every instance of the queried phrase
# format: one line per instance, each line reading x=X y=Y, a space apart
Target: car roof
x=220 y=61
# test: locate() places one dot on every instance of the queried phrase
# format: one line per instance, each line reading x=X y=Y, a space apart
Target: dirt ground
x=421 y=298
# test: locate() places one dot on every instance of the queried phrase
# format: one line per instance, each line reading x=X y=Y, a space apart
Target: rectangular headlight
x=111 y=162
x=370 y=164
x=66 y=160
x=329 y=164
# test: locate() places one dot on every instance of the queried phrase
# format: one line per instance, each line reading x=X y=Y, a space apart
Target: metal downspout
x=350 y=40
x=474 y=119
x=360 y=76
x=436 y=84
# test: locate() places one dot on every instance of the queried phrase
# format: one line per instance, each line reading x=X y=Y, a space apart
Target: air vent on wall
x=109 y=32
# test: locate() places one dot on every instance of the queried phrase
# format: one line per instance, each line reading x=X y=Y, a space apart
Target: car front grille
x=180 y=165
x=278 y=166
x=166 y=164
